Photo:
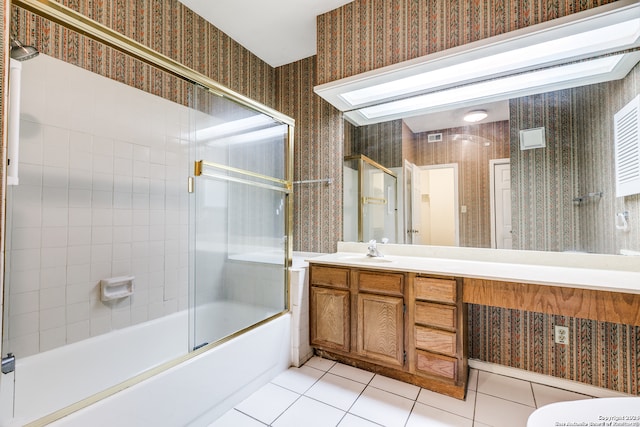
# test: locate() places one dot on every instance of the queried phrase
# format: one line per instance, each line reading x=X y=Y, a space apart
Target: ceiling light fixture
x=475 y=116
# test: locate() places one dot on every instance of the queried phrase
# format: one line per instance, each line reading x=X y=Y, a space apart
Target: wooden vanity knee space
x=403 y=325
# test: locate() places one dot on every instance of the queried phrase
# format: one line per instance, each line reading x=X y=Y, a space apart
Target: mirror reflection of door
x=379 y=205
x=412 y=204
x=439 y=205
x=501 y=236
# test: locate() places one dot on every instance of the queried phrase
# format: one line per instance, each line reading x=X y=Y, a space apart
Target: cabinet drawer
x=438 y=315
x=435 y=340
x=381 y=283
x=330 y=276
x=440 y=290
x=437 y=365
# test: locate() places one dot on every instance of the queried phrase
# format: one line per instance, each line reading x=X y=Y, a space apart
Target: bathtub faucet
x=373 y=249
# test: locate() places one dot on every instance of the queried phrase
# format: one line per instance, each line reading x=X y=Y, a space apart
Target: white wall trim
x=548 y=380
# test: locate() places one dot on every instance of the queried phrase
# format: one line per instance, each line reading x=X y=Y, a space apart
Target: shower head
x=21 y=52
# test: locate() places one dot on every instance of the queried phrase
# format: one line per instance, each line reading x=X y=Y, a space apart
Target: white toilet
x=614 y=411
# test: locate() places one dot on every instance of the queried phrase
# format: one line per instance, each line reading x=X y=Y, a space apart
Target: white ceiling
x=284 y=31
x=277 y=31
x=496 y=111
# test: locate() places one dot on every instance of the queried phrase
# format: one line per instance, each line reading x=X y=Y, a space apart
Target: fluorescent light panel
x=607 y=29
x=514 y=60
x=233 y=127
x=266 y=134
x=555 y=78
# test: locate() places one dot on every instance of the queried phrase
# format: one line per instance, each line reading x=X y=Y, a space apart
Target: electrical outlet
x=561 y=334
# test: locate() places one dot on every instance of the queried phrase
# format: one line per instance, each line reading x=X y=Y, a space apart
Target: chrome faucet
x=373 y=249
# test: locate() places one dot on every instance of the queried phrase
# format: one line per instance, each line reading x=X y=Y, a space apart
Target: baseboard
x=545 y=379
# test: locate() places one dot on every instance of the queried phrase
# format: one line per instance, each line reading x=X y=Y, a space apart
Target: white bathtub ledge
x=198 y=391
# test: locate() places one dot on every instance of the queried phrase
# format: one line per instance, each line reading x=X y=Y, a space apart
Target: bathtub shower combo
x=147 y=252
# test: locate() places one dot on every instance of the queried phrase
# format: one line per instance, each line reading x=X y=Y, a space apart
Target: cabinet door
x=380 y=328
x=329 y=318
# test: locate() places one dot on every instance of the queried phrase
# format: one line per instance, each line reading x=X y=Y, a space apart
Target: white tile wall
x=100 y=195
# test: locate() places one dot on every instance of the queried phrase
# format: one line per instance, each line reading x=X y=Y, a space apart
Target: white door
x=439 y=199
x=501 y=204
x=412 y=198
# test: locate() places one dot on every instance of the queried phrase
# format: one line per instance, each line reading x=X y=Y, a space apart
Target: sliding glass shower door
x=239 y=211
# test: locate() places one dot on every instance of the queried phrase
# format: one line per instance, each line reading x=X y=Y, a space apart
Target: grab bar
x=198 y=171
x=328 y=181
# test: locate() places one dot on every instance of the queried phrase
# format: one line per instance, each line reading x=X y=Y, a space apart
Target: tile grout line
x=475 y=404
x=286 y=409
x=293 y=391
x=247 y=415
x=533 y=394
x=411 y=411
x=314 y=399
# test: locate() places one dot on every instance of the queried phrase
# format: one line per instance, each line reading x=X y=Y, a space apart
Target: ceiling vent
x=434 y=137
x=627 y=148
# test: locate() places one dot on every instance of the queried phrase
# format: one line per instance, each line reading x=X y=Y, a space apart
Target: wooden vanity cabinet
x=358 y=313
x=402 y=325
x=380 y=317
x=330 y=308
x=439 y=333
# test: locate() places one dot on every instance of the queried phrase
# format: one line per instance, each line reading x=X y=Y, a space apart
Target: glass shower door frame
x=231 y=175
x=363 y=199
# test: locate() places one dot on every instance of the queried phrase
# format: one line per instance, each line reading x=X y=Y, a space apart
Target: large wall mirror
x=535 y=170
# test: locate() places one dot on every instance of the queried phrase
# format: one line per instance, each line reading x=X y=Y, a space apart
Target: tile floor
x=324 y=393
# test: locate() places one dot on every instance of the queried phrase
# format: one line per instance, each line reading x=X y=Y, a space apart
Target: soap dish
x=116 y=288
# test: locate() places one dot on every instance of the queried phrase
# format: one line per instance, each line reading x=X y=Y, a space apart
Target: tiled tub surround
x=600 y=353
x=100 y=196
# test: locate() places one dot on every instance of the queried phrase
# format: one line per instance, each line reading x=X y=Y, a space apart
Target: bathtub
x=52 y=380
x=193 y=392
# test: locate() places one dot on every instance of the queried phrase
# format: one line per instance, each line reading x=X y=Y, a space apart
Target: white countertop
x=578 y=274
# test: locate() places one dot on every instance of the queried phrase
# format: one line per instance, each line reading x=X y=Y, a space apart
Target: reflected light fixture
x=234 y=127
x=475 y=116
x=539 y=81
x=590 y=34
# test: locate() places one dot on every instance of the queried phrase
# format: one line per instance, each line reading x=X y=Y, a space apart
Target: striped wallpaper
x=367 y=34
x=544 y=180
x=599 y=353
x=318 y=155
x=578 y=160
x=360 y=36
x=380 y=142
x=595 y=108
x=166 y=26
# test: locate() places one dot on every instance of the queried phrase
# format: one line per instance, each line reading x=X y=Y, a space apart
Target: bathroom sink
x=364 y=258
